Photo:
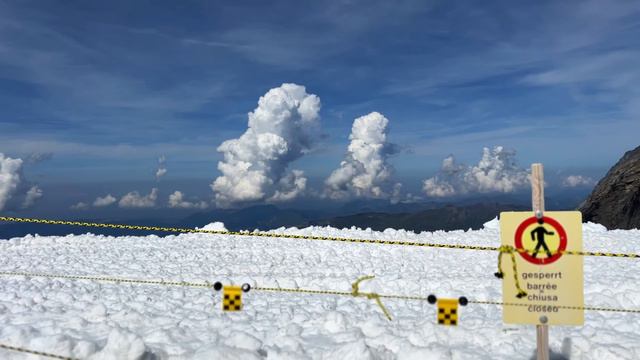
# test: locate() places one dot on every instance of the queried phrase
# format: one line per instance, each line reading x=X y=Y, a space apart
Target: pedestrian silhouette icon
x=538 y=234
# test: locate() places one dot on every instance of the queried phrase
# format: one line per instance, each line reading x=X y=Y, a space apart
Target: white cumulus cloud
x=104 y=201
x=80 y=206
x=577 y=180
x=497 y=171
x=135 y=200
x=33 y=194
x=15 y=192
x=10 y=178
x=289 y=186
x=176 y=200
x=162 y=169
x=160 y=173
x=365 y=172
x=255 y=165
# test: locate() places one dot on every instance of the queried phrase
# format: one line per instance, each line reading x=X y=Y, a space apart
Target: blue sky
x=108 y=87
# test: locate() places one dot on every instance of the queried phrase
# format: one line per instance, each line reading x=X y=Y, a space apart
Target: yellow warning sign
x=448 y=312
x=551 y=279
x=232 y=298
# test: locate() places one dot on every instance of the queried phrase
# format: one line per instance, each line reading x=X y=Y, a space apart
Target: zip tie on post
x=355 y=291
x=500 y=274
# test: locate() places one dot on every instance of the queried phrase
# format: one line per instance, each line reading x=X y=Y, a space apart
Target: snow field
x=100 y=320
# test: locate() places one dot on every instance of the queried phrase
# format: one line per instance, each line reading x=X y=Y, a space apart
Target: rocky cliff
x=615 y=201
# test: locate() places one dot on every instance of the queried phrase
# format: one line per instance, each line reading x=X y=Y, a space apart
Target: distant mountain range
x=263 y=217
x=375 y=214
x=266 y=217
x=445 y=218
x=432 y=218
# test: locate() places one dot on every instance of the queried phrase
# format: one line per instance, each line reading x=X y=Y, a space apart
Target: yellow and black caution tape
x=580 y=253
x=293 y=236
x=246 y=233
x=586 y=308
x=107 y=279
x=339 y=293
x=294 y=290
x=502 y=249
x=426 y=298
x=355 y=291
x=33 y=352
x=303 y=291
x=598 y=253
x=510 y=250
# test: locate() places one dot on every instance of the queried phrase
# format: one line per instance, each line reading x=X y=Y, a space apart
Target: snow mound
x=593 y=228
x=109 y=320
x=214 y=226
x=492 y=224
x=122 y=344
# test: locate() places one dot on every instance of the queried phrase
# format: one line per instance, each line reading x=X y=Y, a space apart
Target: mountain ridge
x=615 y=201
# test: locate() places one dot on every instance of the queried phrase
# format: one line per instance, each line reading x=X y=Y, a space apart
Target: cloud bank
x=176 y=200
x=280 y=131
x=104 y=201
x=13 y=187
x=365 y=172
x=135 y=200
x=577 y=180
x=497 y=171
x=38 y=157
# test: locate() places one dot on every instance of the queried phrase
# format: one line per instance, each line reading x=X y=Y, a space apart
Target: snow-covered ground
x=86 y=319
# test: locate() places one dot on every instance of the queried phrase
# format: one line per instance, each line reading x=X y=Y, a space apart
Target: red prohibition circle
x=561 y=233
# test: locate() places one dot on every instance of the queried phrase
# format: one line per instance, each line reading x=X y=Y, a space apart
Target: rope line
x=302 y=291
x=33 y=352
x=292 y=236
